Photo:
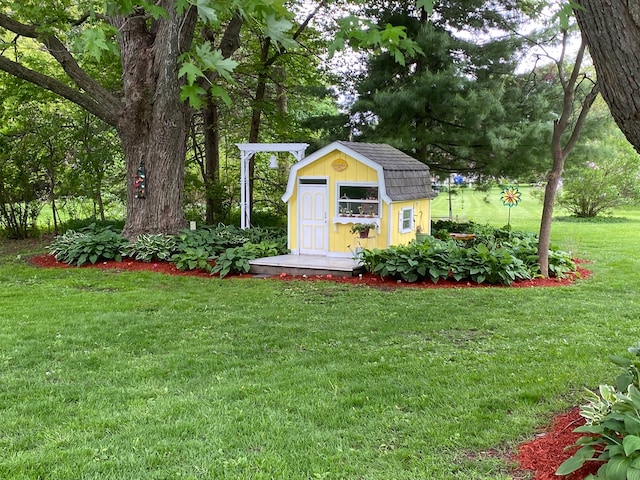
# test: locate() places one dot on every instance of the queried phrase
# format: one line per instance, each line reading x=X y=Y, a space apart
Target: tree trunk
x=229 y=43
x=154 y=124
x=611 y=29
x=553 y=180
x=211 y=177
x=570 y=82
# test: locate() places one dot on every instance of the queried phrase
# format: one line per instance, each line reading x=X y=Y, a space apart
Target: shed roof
x=405 y=177
x=401 y=176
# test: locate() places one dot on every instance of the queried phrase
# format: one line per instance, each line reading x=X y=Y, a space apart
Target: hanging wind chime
x=140 y=182
x=510 y=197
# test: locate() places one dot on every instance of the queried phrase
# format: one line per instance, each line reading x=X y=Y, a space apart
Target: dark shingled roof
x=405 y=177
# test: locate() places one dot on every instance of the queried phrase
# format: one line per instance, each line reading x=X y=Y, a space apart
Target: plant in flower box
x=362 y=229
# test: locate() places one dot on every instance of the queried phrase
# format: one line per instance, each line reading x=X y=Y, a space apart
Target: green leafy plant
x=236 y=259
x=191 y=258
x=91 y=244
x=362 y=227
x=486 y=260
x=149 y=247
x=612 y=429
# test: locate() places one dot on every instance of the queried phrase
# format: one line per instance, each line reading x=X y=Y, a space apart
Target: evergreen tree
x=460 y=106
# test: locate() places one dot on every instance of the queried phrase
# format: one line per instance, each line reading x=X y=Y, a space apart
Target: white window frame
x=405 y=219
x=376 y=202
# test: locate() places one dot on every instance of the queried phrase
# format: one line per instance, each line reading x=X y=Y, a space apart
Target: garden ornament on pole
x=510 y=197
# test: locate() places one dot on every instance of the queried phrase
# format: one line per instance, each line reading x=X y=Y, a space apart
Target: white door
x=312 y=218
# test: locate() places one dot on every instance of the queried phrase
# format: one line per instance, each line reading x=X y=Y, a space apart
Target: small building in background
x=347 y=184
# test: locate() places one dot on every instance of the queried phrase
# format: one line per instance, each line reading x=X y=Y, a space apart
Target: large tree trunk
x=154 y=123
x=612 y=32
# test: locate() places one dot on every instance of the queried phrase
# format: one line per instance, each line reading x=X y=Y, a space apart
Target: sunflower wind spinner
x=510 y=197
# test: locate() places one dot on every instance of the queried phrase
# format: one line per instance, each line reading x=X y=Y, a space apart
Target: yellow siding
x=341 y=240
x=421 y=217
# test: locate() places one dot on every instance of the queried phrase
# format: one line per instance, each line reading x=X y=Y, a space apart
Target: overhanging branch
x=56 y=86
x=100 y=97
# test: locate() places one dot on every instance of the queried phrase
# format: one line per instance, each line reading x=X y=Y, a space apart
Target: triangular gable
x=326 y=151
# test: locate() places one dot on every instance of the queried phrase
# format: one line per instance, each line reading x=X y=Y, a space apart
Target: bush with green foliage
x=228 y=246
x=596 y=188
x=236 y=259
x=149 y=247
x=612 y=429
x=189 y=250
x=439 y=260
x=495 y=256
x=91 y=244
x=192 y=258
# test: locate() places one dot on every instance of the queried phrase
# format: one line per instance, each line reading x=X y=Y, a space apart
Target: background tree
x=579 y=93
x=460 y=107
x=604 y=172
x=150 y=43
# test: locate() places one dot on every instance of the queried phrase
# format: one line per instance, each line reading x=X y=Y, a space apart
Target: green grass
x=119 y=375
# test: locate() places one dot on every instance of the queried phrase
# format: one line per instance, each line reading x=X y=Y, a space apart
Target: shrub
x=236 y=259
x=595 y=188
x=494 y=256
x=149 y=247
x=191 y=258
x=197 y=248
x=91 y=244
x=612 y=429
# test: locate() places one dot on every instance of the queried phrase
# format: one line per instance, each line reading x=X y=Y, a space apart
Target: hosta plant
x=612 y=428
x=149 y=247
x=236 y=259
x=89 y=245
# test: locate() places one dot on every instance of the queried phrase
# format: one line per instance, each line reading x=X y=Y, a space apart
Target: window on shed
x=358 y=200
x=405 y=224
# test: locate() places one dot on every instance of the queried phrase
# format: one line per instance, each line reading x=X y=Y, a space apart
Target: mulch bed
x=49 y=261
x=544 y=454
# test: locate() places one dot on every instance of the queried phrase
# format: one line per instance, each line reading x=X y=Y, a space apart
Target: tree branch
x=57 y=50
x=56 y=86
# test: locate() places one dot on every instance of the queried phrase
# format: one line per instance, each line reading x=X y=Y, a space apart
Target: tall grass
x=120 y=375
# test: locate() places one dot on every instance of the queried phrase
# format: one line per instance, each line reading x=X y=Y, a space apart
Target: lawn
x=119 y=375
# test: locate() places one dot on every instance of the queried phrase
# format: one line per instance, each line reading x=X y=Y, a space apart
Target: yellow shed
x=349 y=183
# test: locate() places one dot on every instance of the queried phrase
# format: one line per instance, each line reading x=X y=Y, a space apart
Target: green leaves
x=88 y=245
x=364 y=34
x=278 y=30
x=489 y=259
x=205 y=12
x=205 y=59
x=612 y=429
x=95 y=42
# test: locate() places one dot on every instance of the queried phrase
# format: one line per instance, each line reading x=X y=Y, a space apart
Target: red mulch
x=364 y=279
x=544 y=454
x=537 y=459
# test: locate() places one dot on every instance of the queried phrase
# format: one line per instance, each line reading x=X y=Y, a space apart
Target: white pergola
x=247 y=151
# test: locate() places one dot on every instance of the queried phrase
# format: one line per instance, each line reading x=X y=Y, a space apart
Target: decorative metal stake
x=510 y=197
x=140 y=181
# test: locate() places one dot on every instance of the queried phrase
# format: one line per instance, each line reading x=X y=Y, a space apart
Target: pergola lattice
x=247 y=151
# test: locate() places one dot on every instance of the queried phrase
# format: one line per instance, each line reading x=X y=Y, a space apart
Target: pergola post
x=247 y=151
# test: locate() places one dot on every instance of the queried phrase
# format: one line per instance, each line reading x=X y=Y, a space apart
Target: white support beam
x=247 y=151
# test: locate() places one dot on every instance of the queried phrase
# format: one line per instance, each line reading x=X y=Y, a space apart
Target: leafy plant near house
x=612 y=429
x=191 y=258
x=91 y=244
x=236 y=259
x=362 y=227
x=149 y=247
x=494 y=256
x=189 y=249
